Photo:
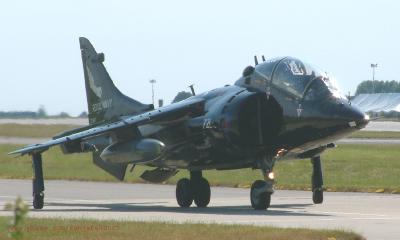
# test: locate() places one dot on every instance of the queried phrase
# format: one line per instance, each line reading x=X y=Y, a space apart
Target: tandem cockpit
x=293 y=77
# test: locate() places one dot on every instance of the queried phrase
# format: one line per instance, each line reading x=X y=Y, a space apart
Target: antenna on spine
x=256 y=60
x=263 y=58
x=192 y=89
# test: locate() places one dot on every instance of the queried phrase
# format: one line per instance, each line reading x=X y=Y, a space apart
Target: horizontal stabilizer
x=116 y=169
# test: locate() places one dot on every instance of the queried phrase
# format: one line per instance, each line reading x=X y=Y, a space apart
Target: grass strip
x=56 y=228
x=356 y=168
x=375 y=135
x=33 y=130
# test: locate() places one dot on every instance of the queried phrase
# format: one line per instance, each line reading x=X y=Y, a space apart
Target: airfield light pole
x=373 y=66
x=152 y=81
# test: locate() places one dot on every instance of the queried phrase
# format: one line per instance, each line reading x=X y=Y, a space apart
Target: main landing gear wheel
x=38 y=200
x=184 y=195
x=318 y=196
x=197 y=189
x=201 y=192
x=259 y=197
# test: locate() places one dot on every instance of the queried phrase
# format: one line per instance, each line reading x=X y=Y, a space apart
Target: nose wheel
x=262 y=190
x=260 y=198
x=196 y=189
x=318 y=196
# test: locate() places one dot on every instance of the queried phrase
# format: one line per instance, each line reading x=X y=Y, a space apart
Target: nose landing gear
x=317 y=181
x=261 y=190
x=260 y=194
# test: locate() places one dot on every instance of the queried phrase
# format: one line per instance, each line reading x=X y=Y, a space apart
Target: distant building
x=378 y=102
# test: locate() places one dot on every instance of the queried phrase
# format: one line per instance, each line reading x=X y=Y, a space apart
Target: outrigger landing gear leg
x=317 y=181
x=37 y=182
x=261 y=191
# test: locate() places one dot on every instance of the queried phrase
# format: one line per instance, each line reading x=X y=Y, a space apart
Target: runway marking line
x=349 y=213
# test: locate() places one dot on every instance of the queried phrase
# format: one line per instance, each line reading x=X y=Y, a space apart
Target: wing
x=173 y=113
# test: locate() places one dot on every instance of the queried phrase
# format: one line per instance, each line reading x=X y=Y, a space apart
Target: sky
x=207 y=43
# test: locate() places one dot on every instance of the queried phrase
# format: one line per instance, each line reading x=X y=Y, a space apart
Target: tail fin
x=105 y=101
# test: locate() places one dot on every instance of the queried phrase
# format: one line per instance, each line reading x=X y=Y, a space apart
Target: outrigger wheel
x=318 y=196
x=38 y=200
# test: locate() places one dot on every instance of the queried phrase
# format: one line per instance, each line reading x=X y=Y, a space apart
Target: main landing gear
x=196 y=189
x=261 y=190
x=317 y=181
x=37 y=182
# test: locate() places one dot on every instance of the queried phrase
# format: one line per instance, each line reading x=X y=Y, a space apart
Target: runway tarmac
x=382 y=126
x=376 y=216
x=22 y=140
x=382 y=141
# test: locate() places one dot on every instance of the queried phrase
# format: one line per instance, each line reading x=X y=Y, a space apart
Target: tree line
x=370 y=86
x=40 y=113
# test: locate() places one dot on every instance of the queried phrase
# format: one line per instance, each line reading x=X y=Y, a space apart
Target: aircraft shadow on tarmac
x=274 y=210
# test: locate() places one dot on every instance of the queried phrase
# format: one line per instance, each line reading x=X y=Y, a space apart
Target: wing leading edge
x=190 y=107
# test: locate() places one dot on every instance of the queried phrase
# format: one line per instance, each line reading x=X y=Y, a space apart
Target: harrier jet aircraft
x=280 y=109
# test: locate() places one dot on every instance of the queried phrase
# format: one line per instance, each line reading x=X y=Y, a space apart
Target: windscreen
x=322 y=88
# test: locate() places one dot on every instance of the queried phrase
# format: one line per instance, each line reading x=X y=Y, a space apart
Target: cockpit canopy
x=295 y=77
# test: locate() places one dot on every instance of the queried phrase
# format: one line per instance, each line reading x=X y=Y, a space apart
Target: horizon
x=42 y=112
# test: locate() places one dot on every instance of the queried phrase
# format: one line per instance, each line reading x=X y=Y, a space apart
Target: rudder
x=105 y=102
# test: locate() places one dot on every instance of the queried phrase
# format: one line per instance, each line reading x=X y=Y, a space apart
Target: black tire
x=38 y=200
x=201 y=192
x=318 y=196
x=261 y=201
x=184 y=195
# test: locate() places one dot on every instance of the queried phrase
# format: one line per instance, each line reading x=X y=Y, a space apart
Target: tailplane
x=105 y=102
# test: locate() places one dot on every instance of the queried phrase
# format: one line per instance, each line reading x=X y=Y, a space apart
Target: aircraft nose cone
x=360 y=119
x=363 y=122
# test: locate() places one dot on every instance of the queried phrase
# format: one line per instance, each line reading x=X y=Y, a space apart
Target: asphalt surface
x=382 y=126
x=21 y=140
x=366 y=141
x=376 y=216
